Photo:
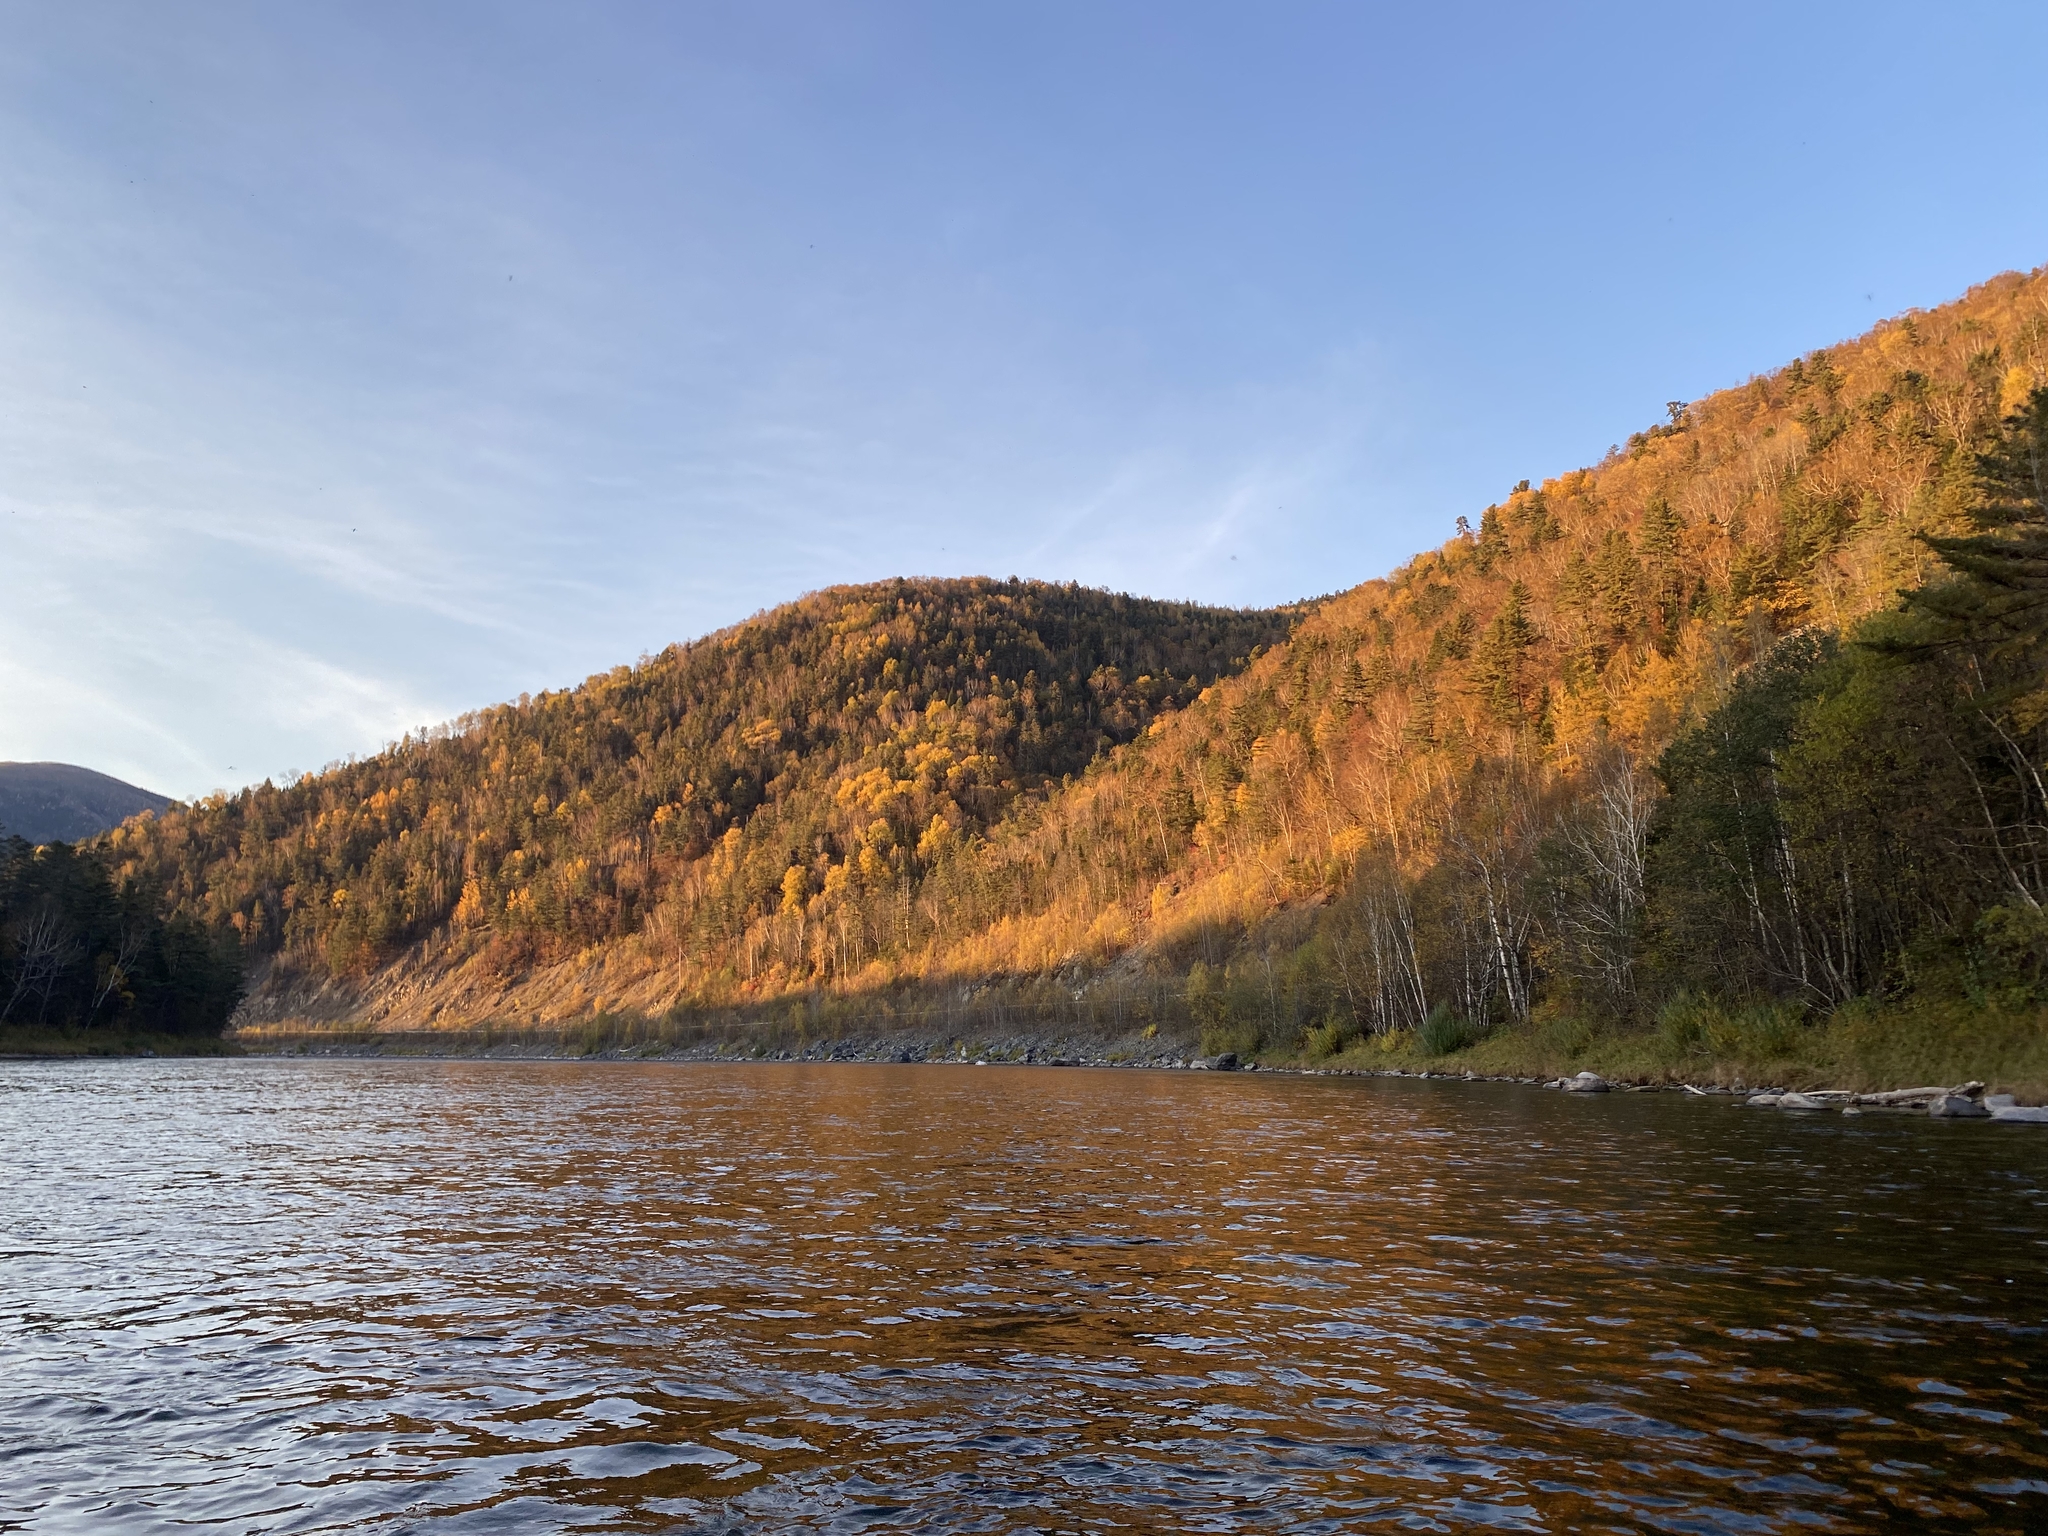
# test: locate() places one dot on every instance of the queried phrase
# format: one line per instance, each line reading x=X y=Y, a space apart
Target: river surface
x=438 y=1297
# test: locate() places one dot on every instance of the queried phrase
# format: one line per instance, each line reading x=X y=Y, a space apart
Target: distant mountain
x=61 y=803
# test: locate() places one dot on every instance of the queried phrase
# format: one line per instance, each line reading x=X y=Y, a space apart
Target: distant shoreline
x=38 y=1045
x=1718 y=1080
x=1895 y=1051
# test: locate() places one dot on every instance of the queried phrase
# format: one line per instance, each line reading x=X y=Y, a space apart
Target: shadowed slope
x=57 y=802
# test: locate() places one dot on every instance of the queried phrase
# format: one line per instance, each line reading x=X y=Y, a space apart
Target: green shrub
x=1760 y=1032
x=1444 y=1031
x=1226 y=1007
x=1326 y=1039
x=1684 y=1024
x=1237 y=1035
x=1560 y=1034
x=2016 y=940
x=1690 y=1025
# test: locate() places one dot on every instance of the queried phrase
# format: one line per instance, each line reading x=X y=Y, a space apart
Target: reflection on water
x=298 y=1296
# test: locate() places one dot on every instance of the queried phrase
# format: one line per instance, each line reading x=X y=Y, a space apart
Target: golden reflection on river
x=286 y=1296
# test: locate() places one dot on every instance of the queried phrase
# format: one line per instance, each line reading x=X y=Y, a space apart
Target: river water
x=281 y=1295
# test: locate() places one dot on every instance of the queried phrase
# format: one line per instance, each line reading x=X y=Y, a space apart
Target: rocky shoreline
x=1966 y=1101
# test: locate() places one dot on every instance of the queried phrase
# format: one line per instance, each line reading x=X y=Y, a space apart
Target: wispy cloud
x=97 y=667
x=363 y=366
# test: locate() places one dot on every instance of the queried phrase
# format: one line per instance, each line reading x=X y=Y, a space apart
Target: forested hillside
x=1606 y=752
x=1606 y=756
x=1651 y=744
x=833 y=751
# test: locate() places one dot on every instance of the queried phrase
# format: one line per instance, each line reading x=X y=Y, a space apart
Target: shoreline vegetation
x=91 y=965
x=100 y=1045
x=1723 y=759
x=1867 y=1048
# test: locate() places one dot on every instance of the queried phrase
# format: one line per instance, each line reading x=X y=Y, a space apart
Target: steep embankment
x=1446 y=804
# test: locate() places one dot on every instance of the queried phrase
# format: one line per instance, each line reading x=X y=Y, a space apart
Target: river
x=437 y=1297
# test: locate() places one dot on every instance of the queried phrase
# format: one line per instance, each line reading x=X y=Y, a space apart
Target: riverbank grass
x=1866 y=1047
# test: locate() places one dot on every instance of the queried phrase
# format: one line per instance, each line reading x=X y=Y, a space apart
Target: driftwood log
x=1919 y=1095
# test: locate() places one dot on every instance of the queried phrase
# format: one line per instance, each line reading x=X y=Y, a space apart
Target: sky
x=366 y=363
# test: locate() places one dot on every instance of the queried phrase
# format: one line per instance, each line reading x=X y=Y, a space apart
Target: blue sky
x=362 y=364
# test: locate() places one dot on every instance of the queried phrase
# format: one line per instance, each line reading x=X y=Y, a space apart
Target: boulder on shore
x=1586 y=1082
x=1958 y=1106
x=1226 y=1062
x=2024 y=1113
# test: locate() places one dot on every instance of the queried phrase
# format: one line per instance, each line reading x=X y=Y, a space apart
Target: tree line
x=79 y=952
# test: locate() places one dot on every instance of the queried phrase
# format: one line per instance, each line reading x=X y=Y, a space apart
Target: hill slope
x=56 y=802
x=1467 y=795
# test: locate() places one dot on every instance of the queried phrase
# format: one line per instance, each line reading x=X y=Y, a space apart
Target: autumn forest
x=1735 y=736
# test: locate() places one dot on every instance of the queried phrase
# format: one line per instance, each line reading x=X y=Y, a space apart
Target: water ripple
x=446 y=1297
